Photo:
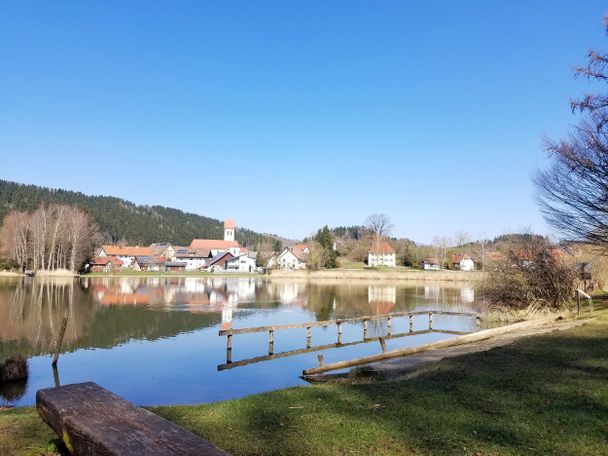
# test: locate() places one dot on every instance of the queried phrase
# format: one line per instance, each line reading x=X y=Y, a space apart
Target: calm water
x=155 y=340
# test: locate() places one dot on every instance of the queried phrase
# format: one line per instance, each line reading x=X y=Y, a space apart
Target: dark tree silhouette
x=573 y=191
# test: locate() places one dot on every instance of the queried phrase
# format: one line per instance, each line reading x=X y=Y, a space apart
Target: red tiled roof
x=381 y=247
x=127 y=250
x=229 y=224
x=102 y=261
x=212 y=244
x=431 y=260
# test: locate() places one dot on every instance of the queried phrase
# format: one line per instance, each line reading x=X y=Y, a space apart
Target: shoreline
x=326 y=274
x=531 y=392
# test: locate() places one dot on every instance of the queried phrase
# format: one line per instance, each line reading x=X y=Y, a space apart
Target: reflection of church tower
x=229 y=230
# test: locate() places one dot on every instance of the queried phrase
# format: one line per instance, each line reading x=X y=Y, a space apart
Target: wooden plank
x=93 y=421
x=474 y=337
x=225 y=332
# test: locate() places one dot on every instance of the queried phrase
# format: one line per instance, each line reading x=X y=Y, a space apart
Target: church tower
x=229 y=230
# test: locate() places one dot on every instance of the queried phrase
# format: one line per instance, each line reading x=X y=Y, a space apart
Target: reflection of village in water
x=31 y=310
x=106 y=312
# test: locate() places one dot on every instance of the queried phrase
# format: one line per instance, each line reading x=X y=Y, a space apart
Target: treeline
x=119 y=220
x=52 y=237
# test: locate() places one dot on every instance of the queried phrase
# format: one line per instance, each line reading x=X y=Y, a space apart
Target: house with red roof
x=124 y=253
x=104 y=264
x=381 y=253
x=463 y=262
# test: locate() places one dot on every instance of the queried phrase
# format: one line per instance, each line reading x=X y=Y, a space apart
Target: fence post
x=271 y=342
x=64 y=323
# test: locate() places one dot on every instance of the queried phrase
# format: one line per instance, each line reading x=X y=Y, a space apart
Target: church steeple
x=229 y=226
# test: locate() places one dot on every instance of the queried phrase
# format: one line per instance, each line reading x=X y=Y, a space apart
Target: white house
x=467 y=264
x=125 y=253
x=195 y=259
x=463 y=262
x=430 y=264
x=381 y=254
x=289 y=258
x=241 y=263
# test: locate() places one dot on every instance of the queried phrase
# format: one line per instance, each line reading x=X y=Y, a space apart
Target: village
x=228 y=256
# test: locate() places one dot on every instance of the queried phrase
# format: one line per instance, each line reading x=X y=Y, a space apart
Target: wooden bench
x=93 y=421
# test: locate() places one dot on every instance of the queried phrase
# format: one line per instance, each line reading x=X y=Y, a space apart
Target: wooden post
x=382 y=344
x=64 y=323
x=339 y=323
x=430 y=321
x=388 y=322
x=271 y=342
x=308 y=336
x=321 y=359
x=477 y=322
x=56 y=377
x=578 y=303
x=364 y=329
x=229 y=348
x=411 y=323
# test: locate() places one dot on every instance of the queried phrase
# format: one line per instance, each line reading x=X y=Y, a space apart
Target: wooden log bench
x=93 y=421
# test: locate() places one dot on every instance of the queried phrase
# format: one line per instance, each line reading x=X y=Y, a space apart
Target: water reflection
x=120 y=329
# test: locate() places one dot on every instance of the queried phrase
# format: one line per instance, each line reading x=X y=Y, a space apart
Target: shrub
x=530 y=272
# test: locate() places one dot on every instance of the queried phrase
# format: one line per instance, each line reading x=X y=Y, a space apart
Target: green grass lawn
x=543 y=395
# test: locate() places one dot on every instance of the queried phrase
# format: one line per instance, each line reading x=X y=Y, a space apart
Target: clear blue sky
x=290 y=115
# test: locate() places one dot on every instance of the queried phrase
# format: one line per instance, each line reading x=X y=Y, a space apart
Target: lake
x=155 y=340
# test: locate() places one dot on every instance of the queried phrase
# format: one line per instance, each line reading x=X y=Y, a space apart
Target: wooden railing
x=229 y=333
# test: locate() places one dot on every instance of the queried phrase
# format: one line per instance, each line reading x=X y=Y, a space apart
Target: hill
x=122 y=220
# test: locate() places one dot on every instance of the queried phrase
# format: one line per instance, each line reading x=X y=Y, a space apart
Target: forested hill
x=119 y=219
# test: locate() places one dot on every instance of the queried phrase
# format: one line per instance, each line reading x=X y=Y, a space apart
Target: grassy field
x=543 y=395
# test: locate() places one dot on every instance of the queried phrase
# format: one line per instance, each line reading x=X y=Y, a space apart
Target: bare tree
x=462 y=238
x=79 y=231
x=49 y=238
x=440 y=245
x=379 y=225
x=38 y=222
x=14 y=238
x=573 y=191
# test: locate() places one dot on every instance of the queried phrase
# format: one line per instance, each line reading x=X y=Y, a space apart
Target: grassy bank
x=543 y=395
x=389 y=274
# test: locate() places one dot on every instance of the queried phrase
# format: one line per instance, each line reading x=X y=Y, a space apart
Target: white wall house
x=467 y=264
x=381 y=254
x=287 y=259
x=194 y=259
x=430 y=264
x=241 y=263
x=124 y=253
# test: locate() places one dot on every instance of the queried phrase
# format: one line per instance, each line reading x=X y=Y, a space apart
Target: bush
x=530 y=272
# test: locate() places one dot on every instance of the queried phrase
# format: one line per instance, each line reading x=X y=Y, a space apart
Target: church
x=217 y=246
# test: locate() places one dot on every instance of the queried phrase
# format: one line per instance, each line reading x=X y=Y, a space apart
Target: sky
x=287 y=116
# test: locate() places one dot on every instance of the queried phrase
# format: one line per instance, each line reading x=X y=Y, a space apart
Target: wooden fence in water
x=230 y=333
